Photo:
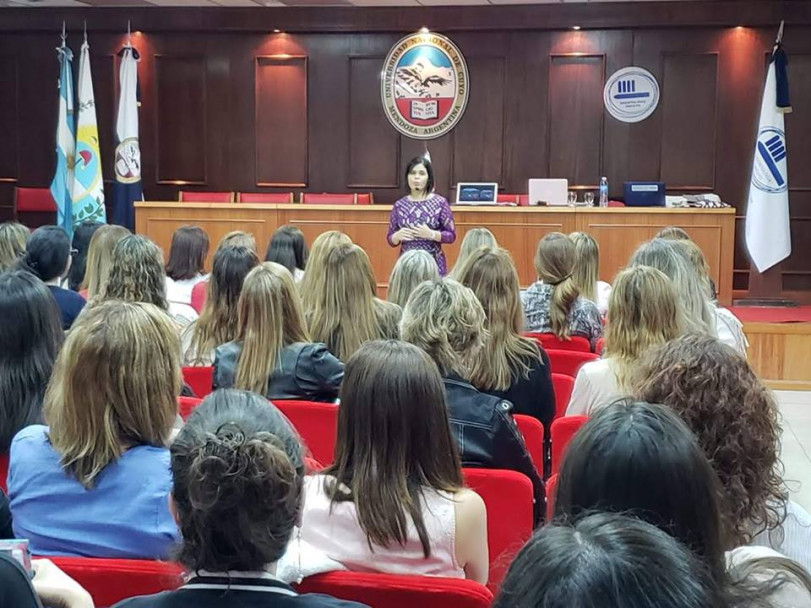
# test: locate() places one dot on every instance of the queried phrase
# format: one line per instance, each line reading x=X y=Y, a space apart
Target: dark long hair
x=429 y=168
x=393 y=440
x=187 y=253
x=30 y=338
x=287 y=247
x=47 y=253
x=606 y=560
x=237 y=467
x=81 y=244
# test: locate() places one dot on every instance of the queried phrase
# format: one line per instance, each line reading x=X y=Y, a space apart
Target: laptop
x=553 y=192
x=644 y=194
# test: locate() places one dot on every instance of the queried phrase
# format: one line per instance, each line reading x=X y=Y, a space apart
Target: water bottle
x=603 y=192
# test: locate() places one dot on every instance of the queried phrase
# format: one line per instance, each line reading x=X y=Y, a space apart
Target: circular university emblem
x=770 y=171
x=424 y=85
x=128 y=161
x=631 y=94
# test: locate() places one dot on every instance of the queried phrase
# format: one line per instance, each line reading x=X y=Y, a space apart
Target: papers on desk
x=699 y=201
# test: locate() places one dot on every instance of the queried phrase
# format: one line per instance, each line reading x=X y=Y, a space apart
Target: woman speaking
x=423 y=219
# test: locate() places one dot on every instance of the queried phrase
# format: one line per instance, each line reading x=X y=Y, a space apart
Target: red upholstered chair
x=616 y=204
x=186 y=405
x=551 y=486
x=199 y=379
x=199 y=293
x=523 y=200
x=326 y=198
x=274 y=198
x=563 y=392
x=317 y=423
x=4 y=472
x=533 y=433
x=598 y=348
x=111 y=580
x=36 y=204
x=366 y=198
x=187 y=196
x=563 y=429
x=507 y=198
x=578 y=343
x=568 y=362
x=508 y=498
x=399 y=591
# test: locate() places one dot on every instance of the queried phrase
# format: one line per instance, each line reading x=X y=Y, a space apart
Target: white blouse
x=596 y=386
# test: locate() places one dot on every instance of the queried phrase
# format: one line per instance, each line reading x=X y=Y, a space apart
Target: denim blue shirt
x=126 y=514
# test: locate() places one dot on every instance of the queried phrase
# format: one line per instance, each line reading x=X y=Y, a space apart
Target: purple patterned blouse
x=435 y=212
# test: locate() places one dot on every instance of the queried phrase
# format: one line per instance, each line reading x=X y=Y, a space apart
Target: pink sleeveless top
x=339 y=536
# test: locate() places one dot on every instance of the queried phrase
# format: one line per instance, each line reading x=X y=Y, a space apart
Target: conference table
x=617 y=230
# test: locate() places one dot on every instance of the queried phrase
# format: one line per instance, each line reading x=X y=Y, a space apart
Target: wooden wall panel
x=180 y=125
x=281 y=121
x=576 y=118
x=8 y=118
x=688 y=107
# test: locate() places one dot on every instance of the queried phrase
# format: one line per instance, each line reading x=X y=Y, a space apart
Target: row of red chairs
x=575 y=343
x=278 y=198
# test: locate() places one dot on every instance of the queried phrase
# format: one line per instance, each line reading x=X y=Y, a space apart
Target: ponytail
x=564 y=295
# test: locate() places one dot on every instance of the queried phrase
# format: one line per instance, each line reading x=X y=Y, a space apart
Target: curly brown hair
x=734 y=417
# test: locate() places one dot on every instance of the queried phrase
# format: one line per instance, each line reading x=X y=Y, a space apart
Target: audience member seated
x=95 y=481
x=287 y=247
x=240 y=238
x=237 y=468
x=510 y=366
x=218 y=320
x=100 y=258
x=607 y=560
x=445 y=319
x=475 y=238
x=641 y=459
x=47 y=585
x=394 y=501
x=81 y=244
x=187 y=258
x=737 y=424
x=644 y=311
x=272 y=354
x=342 y=310
x=673 y=233
x=586 y=271
x=47 y=257
x=136 y=275
x=6 y=529
x=412 y=268
x=311 y=286
x=13 y=239
x=30 y=338
x=553 y=304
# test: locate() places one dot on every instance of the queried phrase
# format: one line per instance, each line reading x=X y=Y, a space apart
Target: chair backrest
x=34 y=200
x=398 y=590
x=507 y=198
x=186 y=405
x=365 y=198
x=317 y=423
x=533 y=433
x=111 y=580
x=508 y=498
x=598 y=348
x=563 y=429
x=327 y=198
x=4 y=472
x=577 y=343
x=563 y=385
x=523 y=200
x=187 y=196
x=568 y=362
x=551 y=485
x=199 y=379
x=199 y=294
x=275 y=198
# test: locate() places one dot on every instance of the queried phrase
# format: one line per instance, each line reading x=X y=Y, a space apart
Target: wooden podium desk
x=617 y=230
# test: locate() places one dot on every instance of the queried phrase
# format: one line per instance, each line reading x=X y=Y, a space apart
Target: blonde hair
x=475 y=238
x=313 y=280
x=586 y=264
x=446 y=320
x=114 y=386
x=673 y=233
x=238 y=238
x=270 y=318
x=136 y=273
x=13 y=239
x=491 y=274
x=411 y=269
x=343 y=314
x=99 y=258
x=554 y=263
x=696 y=257
x=644 y=311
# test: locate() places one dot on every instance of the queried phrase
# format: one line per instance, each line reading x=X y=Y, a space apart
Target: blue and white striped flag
x=62 y=184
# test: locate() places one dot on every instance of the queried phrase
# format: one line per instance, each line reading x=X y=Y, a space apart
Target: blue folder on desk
x=644 y=194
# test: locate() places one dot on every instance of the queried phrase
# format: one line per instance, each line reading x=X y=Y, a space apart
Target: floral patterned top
x=434 y=212
x=584 y=318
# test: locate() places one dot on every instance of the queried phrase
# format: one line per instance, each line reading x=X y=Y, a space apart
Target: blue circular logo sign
x=770 y=171
x=631 y=94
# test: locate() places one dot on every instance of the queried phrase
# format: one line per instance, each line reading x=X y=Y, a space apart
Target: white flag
x=128 y=151
x=768 y=236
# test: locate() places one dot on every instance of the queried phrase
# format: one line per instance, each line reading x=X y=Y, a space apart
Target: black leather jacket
x=303 y=371
x=487 y=435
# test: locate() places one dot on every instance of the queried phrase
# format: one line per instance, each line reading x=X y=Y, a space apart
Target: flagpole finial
x=129 y=33
x=85 y=30
x=64 y=34
x=780 y=32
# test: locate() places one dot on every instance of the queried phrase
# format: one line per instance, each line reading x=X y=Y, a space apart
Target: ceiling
x=282 y=3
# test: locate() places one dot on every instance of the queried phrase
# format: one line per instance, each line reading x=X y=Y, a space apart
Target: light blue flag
x=62 y=184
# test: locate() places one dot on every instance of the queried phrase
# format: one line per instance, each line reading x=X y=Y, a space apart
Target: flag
x=62 y=184
x=128 y=151
x=88 y=185
x=768 y=235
